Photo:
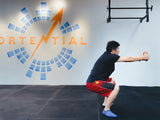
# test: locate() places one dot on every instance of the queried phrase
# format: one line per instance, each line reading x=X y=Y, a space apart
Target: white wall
x=91 y=15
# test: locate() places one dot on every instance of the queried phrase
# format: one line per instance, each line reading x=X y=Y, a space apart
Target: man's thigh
x=103 y=88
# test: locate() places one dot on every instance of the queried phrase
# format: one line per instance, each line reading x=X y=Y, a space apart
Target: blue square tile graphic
x=24 y=11
x=32 y=67
x=39 y=62
x=64 y=32
x=39 y=18
x=75 y=27
x=29 y=73
x=61 y=28
x=31 y=22
x=43 y=62
x=27 y=56
x=34 y=61
x=10 y=54
x=23 y=60
x=66 y=24
x=49 y=68
x=24 y=28
x=38 y=13
x=37 y=68
x=69 y=51
x=52 y=61
x=63 y=60
x=66 y=56
x=24 y=53
x=43 y=5
x=68 y=66
x=44 y=12
x=23 y=20
x=62 y=53
x=17 y=29
x=11 y=26
x=22 y=49
x=72 y=60
x=17 y=51
x=27 y=24
x=55 y=59
x=43 y=76
x=35 y=19
x=47 y=63
x=47 y=18
x=59 y=56
x=28 y=17
x=22 y=31
x=43 y=69
x=64 y=49
x=43 y=17
x=59 y=64
x=69 y=29
x=19 y=56
x=49 y=12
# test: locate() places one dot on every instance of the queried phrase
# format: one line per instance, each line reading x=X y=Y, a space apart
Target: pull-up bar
x=147 y=8
x=132 y=7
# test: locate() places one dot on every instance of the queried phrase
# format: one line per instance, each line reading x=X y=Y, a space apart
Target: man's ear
x=112 y=51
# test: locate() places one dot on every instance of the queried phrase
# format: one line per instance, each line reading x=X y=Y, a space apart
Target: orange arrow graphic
x=56 y=19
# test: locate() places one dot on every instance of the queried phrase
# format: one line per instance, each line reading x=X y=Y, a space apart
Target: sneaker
x=108 y=113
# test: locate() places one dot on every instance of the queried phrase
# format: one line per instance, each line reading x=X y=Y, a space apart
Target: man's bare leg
x=105 y=98
x=111 y=98
x=104 y=103
x=107 y=112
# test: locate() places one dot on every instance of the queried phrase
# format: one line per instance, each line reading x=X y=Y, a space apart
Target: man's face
x=115 y=51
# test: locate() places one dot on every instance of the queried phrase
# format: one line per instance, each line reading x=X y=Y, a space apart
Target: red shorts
x=103 y=88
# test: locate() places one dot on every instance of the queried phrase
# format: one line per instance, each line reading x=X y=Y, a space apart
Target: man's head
x=113 y=47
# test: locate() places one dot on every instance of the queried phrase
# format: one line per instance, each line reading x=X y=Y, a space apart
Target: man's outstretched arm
x=144 y=57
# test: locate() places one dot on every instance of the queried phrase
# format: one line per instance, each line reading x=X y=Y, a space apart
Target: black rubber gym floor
x=37 y=102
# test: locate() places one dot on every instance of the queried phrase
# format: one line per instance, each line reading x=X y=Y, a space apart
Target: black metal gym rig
x=109 y=8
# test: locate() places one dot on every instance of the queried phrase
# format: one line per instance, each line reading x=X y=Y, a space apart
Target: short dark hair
x=112 y=45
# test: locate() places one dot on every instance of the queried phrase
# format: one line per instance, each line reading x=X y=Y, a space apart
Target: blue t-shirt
x=103 y=67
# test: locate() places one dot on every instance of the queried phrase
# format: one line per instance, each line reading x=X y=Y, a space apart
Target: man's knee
x=113 y=80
